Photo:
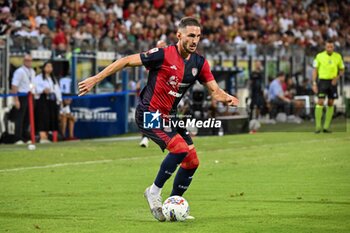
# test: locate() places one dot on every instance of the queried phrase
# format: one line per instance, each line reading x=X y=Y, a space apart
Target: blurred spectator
x=277 y=97
x=42 y=17
x=52 y=19
x=161 y=44
x=249 y=26
x=258 y=103
x=305 y=88
x=25 y=13
x=21 y=84
x=290 y=91
x=48 y=99
x=66 y=117
x=32 y=16
x=62 y=39
x=5 y=20
x=23 y=29
x=107 y=42
x=44 y=34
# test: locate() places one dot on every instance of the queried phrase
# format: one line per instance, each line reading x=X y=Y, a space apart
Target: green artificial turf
x=266 y=182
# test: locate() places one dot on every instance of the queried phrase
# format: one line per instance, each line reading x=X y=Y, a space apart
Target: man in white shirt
x=21 y=85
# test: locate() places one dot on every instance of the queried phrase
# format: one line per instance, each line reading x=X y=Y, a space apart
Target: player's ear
x=178 y=35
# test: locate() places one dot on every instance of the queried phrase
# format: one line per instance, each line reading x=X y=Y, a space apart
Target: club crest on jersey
x=173 y=81
x=194 y=71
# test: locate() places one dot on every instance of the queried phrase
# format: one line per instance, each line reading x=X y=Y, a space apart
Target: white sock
x=155 y=189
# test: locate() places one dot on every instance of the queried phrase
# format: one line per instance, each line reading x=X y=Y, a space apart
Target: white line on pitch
x=56 y=165
x=76 y=163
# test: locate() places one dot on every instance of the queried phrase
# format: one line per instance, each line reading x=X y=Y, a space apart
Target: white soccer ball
x=175 y=208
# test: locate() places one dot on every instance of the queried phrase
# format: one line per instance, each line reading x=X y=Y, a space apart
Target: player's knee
x=191 y=161
x=178 y=145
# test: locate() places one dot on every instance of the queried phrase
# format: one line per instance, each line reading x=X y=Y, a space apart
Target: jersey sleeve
x=341 y=63
x=205 y=75
x=153 y=59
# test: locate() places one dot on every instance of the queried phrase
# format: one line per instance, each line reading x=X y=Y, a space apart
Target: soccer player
x=328 y=67
x=172 y=70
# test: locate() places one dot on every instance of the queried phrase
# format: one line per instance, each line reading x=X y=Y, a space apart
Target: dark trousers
x=22 y=120
x=278 y=105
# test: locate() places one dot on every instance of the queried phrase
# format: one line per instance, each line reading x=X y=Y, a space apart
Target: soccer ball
x=175 y=208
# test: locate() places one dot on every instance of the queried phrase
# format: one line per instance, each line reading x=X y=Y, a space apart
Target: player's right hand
x=314 y=88
x=232 y=101
x=86 y=85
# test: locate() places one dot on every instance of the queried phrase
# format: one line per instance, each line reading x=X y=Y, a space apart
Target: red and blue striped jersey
x=170 y=76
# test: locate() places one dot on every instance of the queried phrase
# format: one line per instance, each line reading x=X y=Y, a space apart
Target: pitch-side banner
x=100 y=115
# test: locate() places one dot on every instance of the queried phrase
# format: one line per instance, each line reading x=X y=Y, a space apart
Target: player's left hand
x=232 y=101
x=86 y=85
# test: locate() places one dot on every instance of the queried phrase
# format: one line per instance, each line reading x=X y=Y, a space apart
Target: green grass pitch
x=267 y=182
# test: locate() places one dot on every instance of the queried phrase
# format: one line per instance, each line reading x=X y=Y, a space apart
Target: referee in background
x=328 y=68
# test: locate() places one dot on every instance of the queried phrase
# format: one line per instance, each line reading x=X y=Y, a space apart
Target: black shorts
x=258 y=101
x=326 y=89
x=161 y=135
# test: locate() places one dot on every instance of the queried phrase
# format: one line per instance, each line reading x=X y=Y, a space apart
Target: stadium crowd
x=246 y=27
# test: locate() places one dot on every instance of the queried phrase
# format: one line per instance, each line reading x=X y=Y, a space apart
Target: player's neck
x=182 y=51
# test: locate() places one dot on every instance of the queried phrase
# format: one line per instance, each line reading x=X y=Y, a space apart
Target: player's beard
x=186 y=47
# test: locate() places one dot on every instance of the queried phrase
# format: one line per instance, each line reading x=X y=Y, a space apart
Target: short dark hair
x=189 y=21
x=329 y=41
x=280 y=74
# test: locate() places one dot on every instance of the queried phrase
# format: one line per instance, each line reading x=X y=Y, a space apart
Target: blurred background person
x=161 y=44
x=66 y=117
x=258 y=103
x=21 y=84
x=290 y=91
x=280 y=101
x=277 y=97
x=48 y=99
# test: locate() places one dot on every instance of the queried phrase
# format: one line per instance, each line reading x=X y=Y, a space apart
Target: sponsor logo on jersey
x=175 y=94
